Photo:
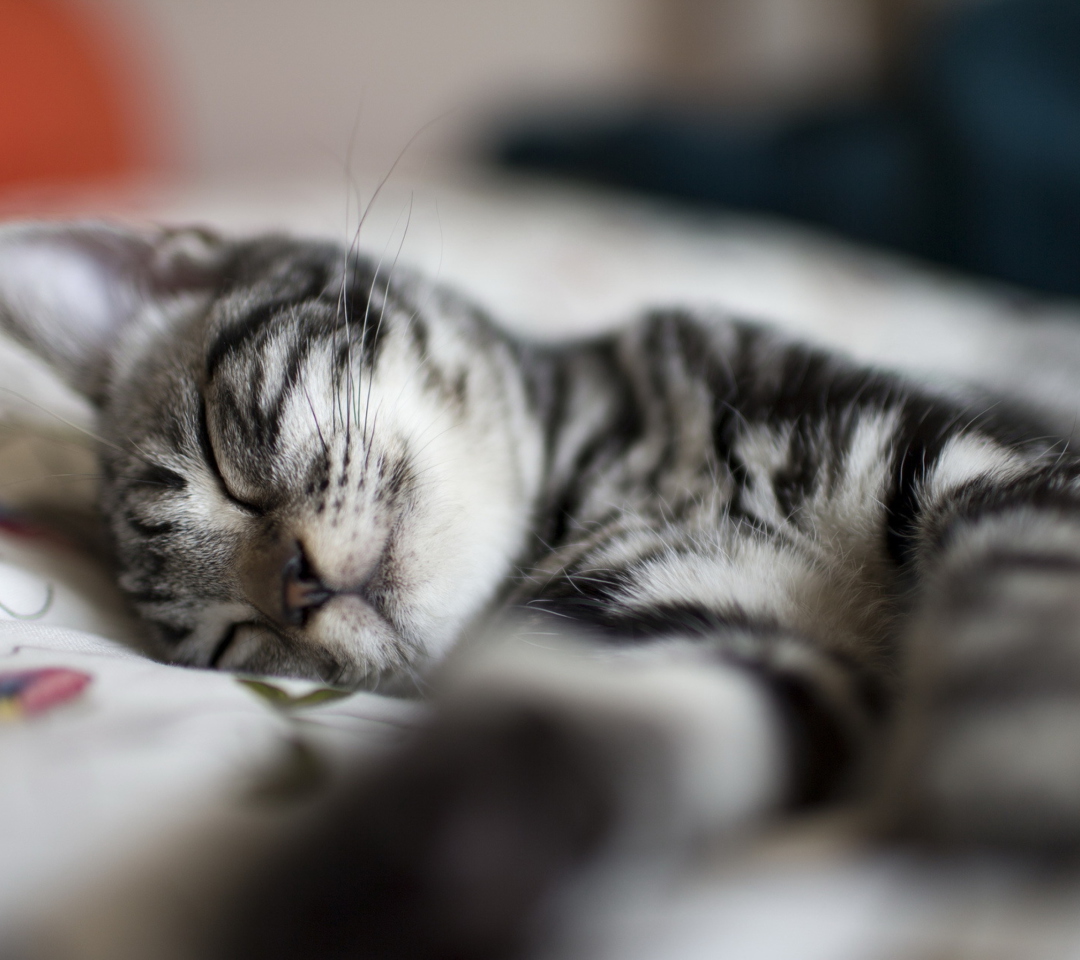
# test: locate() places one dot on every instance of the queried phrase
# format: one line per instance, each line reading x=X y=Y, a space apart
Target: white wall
x=271 y=87
x=276 y=86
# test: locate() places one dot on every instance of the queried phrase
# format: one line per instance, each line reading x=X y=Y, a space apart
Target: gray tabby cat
x=796 y=579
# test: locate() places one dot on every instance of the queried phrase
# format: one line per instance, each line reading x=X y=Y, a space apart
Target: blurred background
x=947 y=129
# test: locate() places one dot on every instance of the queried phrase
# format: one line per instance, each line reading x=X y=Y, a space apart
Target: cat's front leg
x=544 y=766
x=988 y=739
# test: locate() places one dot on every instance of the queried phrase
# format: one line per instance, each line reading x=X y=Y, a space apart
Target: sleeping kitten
x=790 y=579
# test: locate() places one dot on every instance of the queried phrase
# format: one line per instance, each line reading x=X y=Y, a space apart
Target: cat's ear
x=69 y=291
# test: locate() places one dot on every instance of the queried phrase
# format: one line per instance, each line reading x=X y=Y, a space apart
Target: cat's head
x=311 y=467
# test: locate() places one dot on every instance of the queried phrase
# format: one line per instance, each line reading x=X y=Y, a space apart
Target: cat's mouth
x=300 y=617
x=348 y=640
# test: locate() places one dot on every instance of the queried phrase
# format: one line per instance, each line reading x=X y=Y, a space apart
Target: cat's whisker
x=382 y=311
x=74 y=426
x=353 y=186
x=349 y=259
x=1062 y=454
x=369 y=446
x=397 y=160
x=367 y=209
x=429 y=441
x=51 y=476
x=367 y=312
x=979 y=415
x=364 y=330
x=347 y=270
x=314 y=415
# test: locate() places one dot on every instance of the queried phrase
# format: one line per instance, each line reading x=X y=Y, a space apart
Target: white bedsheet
x=145 y=750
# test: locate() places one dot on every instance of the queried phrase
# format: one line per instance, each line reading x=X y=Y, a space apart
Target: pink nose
x=301 y=588
x=281 y=582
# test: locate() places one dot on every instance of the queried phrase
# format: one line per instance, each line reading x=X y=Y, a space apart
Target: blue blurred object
x=975 y=163
x=1002 y=91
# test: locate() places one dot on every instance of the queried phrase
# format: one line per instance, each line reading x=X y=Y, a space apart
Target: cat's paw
x=988 y=745
x=544 y=770
x=451 y=849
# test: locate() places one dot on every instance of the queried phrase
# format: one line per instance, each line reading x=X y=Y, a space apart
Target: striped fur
x=850 y=559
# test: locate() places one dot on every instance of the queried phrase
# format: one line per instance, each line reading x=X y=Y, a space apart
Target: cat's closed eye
x=157 y=475
x=245 y=500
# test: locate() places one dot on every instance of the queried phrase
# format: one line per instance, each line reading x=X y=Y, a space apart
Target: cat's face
x=310 y=469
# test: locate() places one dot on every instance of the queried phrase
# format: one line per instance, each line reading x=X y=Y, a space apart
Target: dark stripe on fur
x=983 y=498
x=240 y=332
x=593 y=608
x=822 y=750
x=148 y=529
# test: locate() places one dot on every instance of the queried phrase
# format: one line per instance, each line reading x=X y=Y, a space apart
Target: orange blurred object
x=72 y=100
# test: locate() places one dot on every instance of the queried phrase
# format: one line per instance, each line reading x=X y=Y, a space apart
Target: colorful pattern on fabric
x=28 y=692
x=16 y=523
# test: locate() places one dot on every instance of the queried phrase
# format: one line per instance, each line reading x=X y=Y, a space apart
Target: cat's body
x=794 y=577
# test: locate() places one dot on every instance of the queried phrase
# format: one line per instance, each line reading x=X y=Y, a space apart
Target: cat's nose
x=301 y=589
x=280 y=581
